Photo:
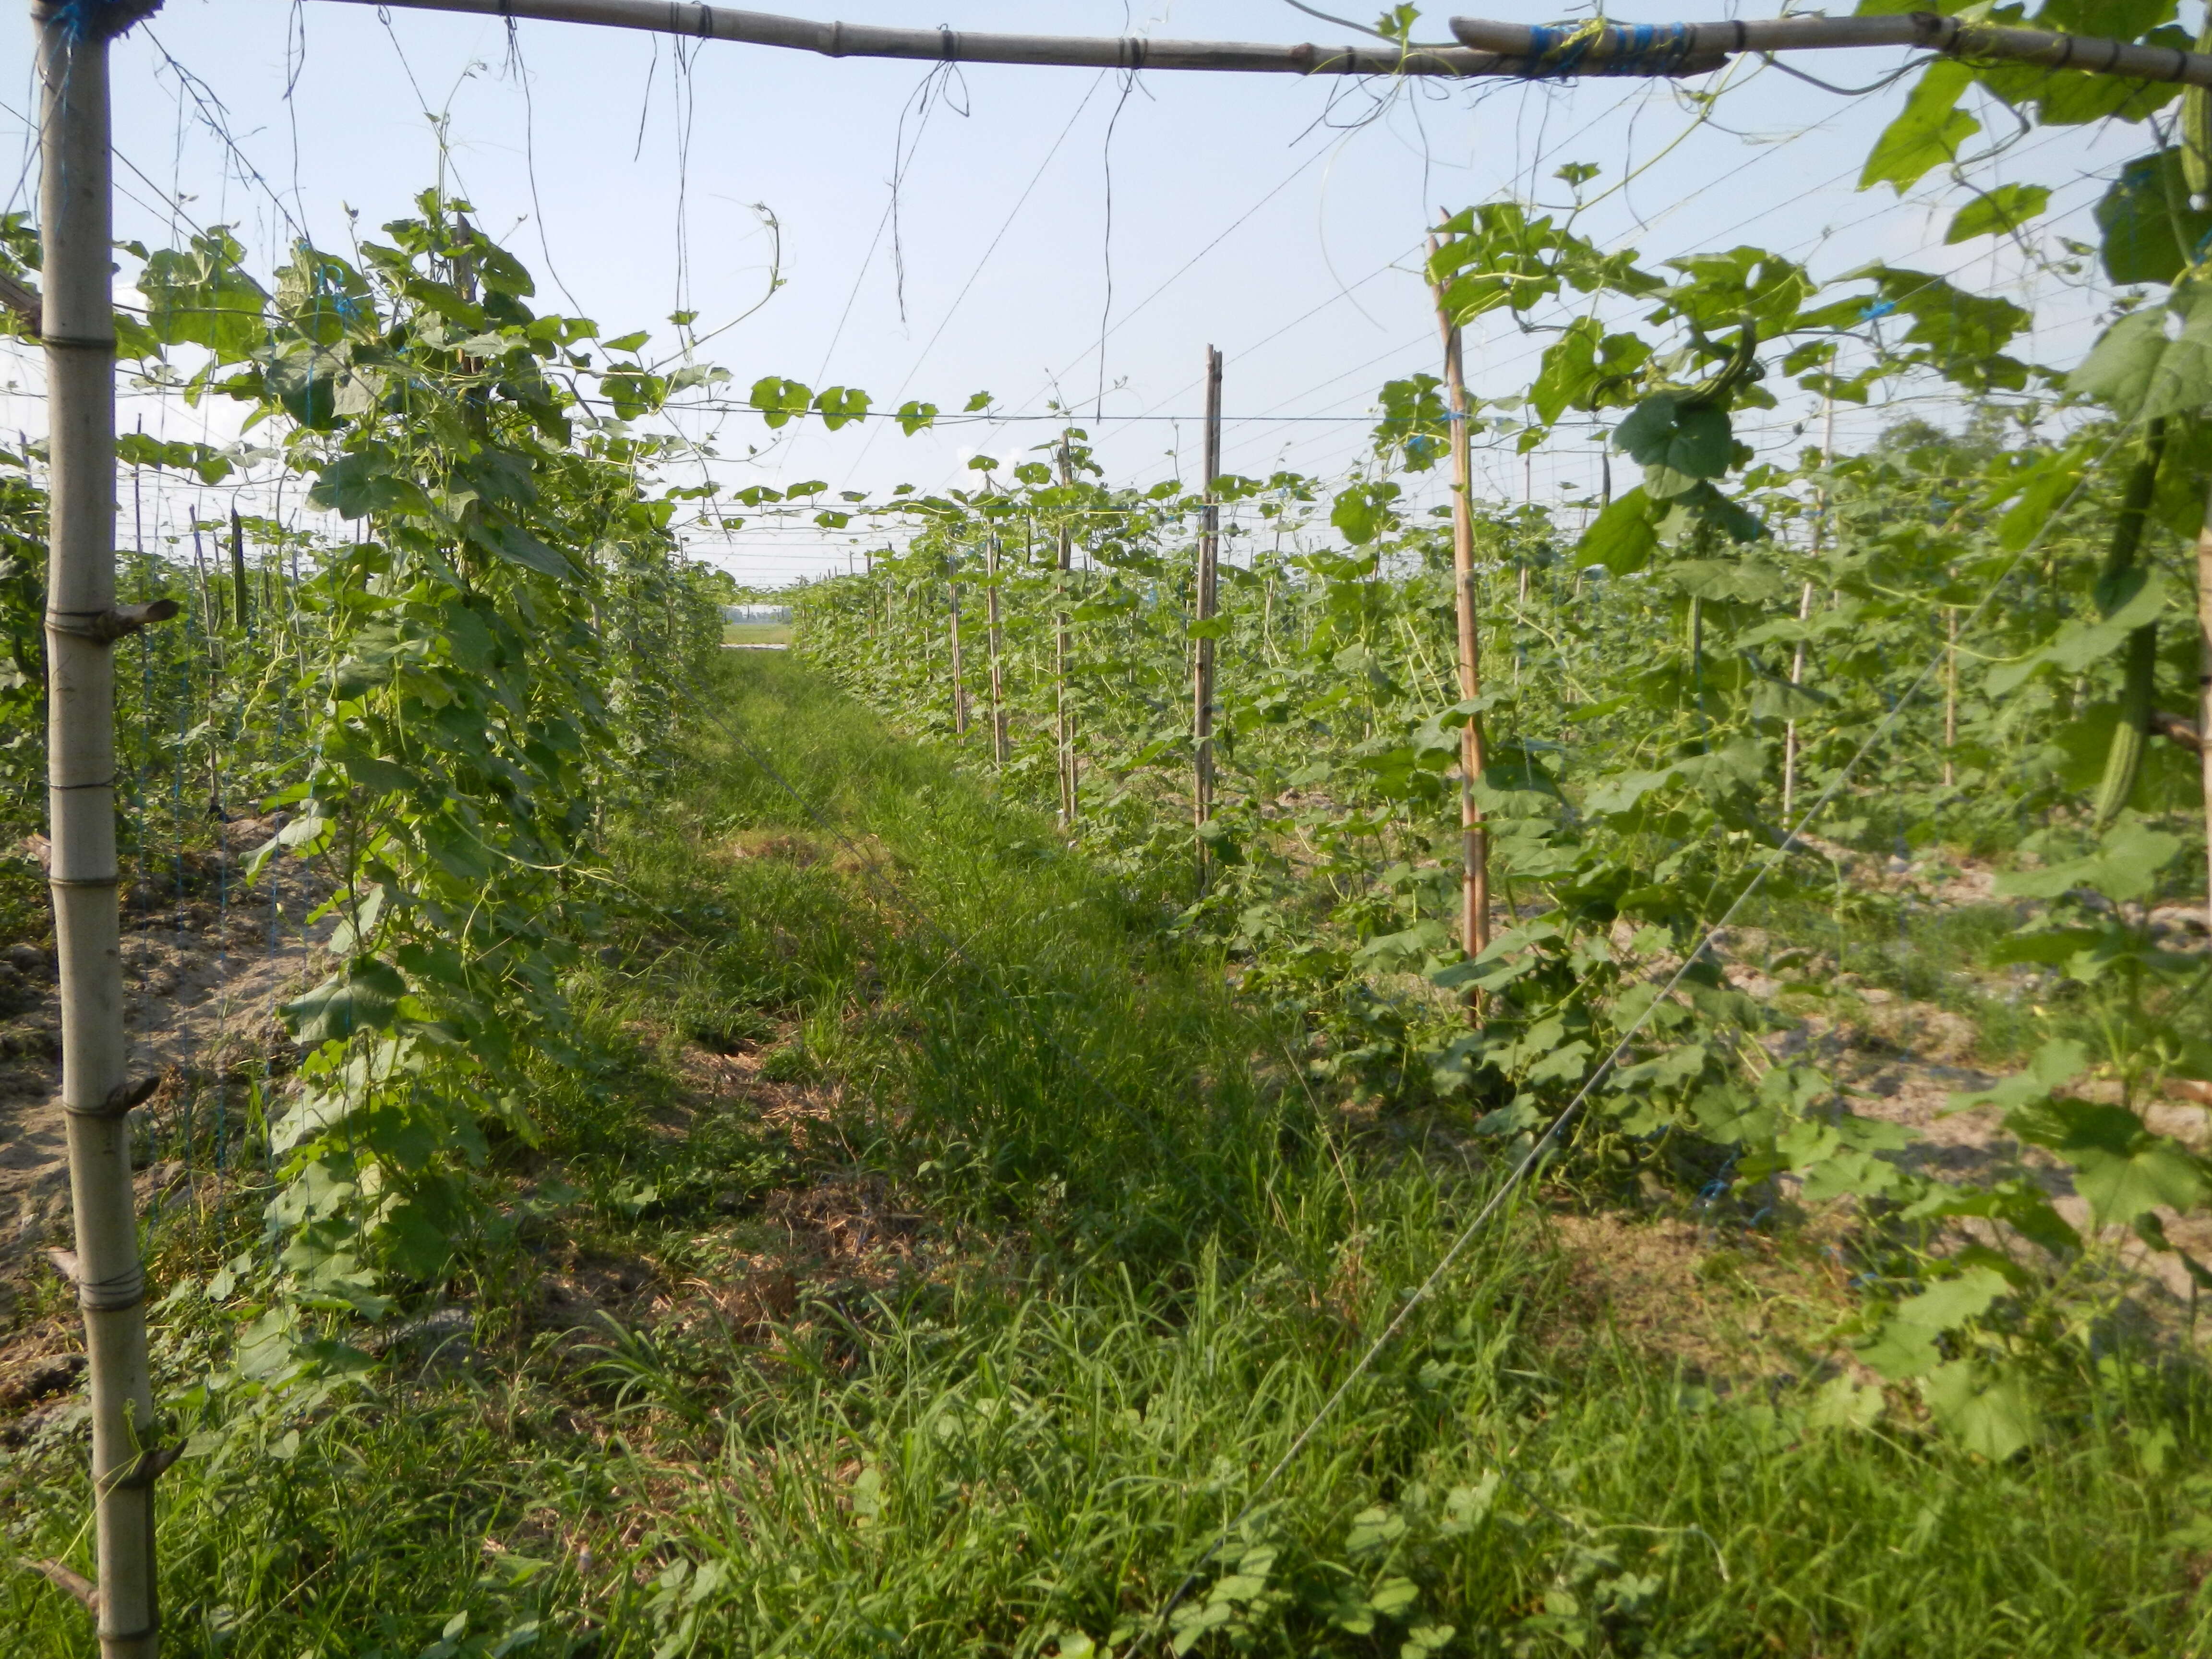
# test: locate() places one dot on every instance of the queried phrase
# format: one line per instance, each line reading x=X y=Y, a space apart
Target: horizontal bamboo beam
x=1487 y=49
x=961 y=46
x=1569 y=49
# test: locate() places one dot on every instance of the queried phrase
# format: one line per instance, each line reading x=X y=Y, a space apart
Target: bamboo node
x=144 y=1470
x=116 y=622
x=126 y=1290
x=121 y=1099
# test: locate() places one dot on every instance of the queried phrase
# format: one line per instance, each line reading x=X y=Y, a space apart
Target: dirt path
x=203 y=976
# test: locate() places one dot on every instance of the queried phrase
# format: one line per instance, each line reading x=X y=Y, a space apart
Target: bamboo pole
x=83 y=624
x=1796 y=677
x=1562 y=50
x=238 y=570
x=959 y=684
x=2204 y=686
x=1209 y=556
x=944 y=45
x=1950 y=696
x=1790 y=748
x=1474 y=878
x=2139 y=659
x=998 y=681
x=1063 y=707
x=1486 y=50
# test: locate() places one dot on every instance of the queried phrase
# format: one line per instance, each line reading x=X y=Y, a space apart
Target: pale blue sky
x=1273 y=216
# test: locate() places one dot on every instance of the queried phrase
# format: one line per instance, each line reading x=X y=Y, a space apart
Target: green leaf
x=201 y=296
x=1679 y=442
x=1989 y=1410
x=380 y=776
x=2006 y=208
x=2121 y=1168
x=1622 y=538
x=779 y=399
x=518 y=546
x=2057 y=1063
x=2123 y=868
x=1948 y=1303
x=1361 y=511
x=362 y=482
x=362 y=998
x=1929 y=133
x=2141 y=372
x=2151 y=233
x=839 y=404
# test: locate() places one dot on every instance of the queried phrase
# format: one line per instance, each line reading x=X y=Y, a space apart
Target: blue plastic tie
x=1559 y=50
x=100 y=20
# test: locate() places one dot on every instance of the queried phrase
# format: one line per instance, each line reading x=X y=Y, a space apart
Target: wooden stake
x=1068 y=802
x=1950 y=696
x=998 y=682
x=1789 y=730
x=83 y=624
x=1804 y=612
x=1475 y=880
x=238 y=570
x=959 y=686
x=2204 y=685
x=1209 y=555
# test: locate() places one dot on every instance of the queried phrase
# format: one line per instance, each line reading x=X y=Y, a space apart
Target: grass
x=755 y=633
x=1006 y=1256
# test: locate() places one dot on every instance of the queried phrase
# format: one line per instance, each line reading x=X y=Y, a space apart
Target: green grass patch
x=755 y=633
x=1007 y=1257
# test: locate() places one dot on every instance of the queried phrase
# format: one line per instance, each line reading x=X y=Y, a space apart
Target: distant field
x=755 y=633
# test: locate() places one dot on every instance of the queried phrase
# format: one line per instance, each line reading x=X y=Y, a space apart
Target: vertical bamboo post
x=1950 y=696
x=2204 y=685
x=998 y=680
x=83 y=624
x=1209 y=555
x=1796 y=677
x=959 y=685
x=238 y=570
x=1061 y=652
x=1475 y=879
x=1804 y=613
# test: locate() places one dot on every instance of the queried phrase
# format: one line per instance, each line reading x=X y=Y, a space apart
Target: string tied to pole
x=94 y=20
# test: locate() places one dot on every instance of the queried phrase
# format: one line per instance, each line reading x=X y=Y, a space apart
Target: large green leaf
x=362 y=482
x=362 y=998
x=2124 y=868
x=1928 y=134
x=1948 y=1303
x=2151 y=233
x=1680 y=440
x=2120 y=1167
x=2145 y=368
x=201 y=296
x=1621 y=538
x=1991 y=214
x=518 y=546
x=1989 y=1410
